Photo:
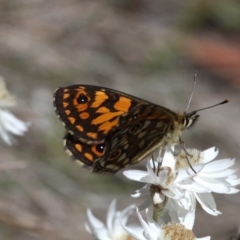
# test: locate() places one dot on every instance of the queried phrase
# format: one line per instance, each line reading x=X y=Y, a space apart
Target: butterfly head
x=190 y=119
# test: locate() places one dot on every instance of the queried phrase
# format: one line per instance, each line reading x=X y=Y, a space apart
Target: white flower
x=162 y=188
x=179 y=188
x=214 y=176
x=9 y=124
x=162 y=231
x=113 y=229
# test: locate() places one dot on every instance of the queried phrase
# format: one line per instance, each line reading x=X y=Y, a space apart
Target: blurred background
x=150 y=49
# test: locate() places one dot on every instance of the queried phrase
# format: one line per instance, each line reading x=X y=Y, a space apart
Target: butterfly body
x=108 y=130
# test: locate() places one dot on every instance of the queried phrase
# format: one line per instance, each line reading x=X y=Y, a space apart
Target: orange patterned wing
x=84 y=154
x=139 y=133
x=90 y=112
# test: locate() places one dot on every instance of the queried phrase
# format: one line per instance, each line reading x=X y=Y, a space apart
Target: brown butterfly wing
x=142 y=131
x=91 y=113
x=139 y=133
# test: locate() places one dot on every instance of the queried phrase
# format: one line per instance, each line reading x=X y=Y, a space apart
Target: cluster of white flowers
x=9 y=124
x=172 y=190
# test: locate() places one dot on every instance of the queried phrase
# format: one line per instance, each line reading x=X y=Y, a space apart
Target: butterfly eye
x=100 y=148
x=115 y=155
x=82 y=98
x=134 y=128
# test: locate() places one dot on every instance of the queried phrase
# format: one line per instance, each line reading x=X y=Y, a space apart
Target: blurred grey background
x=150 y=49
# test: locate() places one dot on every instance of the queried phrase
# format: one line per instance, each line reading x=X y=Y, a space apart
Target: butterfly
x=107 y=130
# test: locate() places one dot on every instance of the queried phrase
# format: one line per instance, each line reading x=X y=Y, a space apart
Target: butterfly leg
x=182 y=145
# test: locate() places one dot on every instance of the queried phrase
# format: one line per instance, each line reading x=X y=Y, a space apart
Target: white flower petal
x=158 y=198
x=204 y=238
x=209 y=154
x=12 y=124
x=211 y=184
x=142 y=191
x=93 y=220
x=207 y=202
x=139 y=194
x=233 y=182
x=151 y=229
x=9 y=124
x=162 y=178
x=124 y=214
x=222 y=174
x=186 y=173
x=110 y=214
x=5 y=136
x=232 y=191
x=194 y=187
x=189 y=220
x=218 y=165
x=169 y=160
x=137 y=175
x=113 y=229
x=174 y=193
x=136 y=234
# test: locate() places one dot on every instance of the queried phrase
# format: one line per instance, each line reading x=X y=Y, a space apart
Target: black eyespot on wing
x=86 y=154
x=82 y=98
x=100 y=148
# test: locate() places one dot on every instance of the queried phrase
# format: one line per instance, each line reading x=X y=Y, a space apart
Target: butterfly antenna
x=223 y=102
x=194 y=83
